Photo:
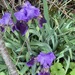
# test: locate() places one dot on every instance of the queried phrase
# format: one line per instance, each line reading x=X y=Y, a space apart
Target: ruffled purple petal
x=22 y=27
x=31 y=62
x=46 y=59
x=5 y=19
x=27 y=12
x=32 y=12
x=21 y=15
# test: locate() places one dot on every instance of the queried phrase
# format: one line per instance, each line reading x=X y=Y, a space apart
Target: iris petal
x=5 y=19
x=31 y=62
x=27 y=12
x=46 y=59
x=22 y=27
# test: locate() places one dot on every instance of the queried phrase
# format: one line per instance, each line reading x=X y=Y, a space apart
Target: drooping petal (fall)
x=46 y=59
x=22 y=27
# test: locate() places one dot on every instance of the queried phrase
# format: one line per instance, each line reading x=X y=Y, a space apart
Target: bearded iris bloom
x=45 y=59
x=27 y=12
x=22 y=27
x=6 y=20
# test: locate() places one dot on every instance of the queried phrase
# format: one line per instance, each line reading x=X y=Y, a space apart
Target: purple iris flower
x=6 y=20
x=22 y=27
x=27 y=12
x=46 y=59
